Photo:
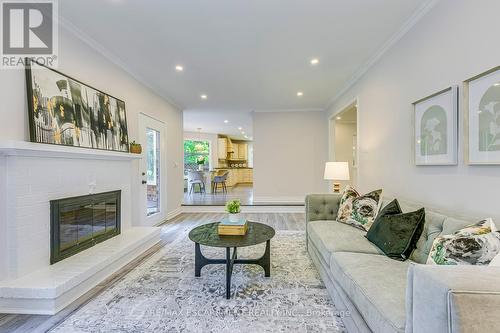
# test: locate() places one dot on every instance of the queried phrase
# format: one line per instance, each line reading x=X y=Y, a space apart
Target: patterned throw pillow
x=476 y=244
x=359 y=210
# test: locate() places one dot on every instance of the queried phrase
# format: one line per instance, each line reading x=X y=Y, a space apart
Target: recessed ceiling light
x=240 y=128
x=204 y=96
x=246 y=137
x=300 y=93
x=226 y=121
x=242 y=132
x=179 y=68
x=338 y=118
x=497 y=84
x=314 y=61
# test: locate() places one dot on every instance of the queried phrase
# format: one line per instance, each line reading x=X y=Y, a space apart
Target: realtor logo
x=28 y=30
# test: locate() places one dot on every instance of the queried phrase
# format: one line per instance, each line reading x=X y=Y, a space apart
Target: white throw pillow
x=477 y=244
x=358 y=210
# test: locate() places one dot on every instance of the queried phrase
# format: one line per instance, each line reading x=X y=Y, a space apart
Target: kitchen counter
x=237 y=175
x=233 y=168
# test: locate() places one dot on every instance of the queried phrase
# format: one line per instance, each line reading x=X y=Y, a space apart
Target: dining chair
x=196 y=178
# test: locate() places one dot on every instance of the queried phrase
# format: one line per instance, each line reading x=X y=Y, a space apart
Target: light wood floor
x=243 y=192
x=171 y=230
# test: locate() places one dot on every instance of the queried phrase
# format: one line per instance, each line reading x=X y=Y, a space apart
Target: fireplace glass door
x=80 y=222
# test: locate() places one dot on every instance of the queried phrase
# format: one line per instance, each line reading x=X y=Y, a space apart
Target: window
x=153 y=171
x=196 y=154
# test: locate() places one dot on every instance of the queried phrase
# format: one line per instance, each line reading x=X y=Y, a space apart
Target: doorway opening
x=343 y=143
x=217 y=168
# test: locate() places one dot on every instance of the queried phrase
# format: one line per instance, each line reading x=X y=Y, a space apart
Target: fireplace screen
x=81 y=222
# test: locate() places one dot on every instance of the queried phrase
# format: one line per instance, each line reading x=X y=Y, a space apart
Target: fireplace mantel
x=31 y=176
x=30 y=149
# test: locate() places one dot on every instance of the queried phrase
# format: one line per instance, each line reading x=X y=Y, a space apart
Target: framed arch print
x=482 y=118
x=435 y=128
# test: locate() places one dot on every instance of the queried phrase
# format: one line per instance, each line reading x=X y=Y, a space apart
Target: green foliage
x=200 y=160
x=194 y=150
x=233 y=206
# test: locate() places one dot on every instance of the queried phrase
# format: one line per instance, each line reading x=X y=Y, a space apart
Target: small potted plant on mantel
x=233 y=207
x=135 y=148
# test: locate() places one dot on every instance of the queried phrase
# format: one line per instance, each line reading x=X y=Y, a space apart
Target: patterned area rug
x=162 y=295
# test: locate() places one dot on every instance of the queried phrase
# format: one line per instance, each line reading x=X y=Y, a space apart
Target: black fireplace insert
x=78 y=223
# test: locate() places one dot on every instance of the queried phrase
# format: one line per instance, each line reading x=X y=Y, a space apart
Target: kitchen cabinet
x=235 y=151
x=230 y=150
x=246 y=176
x=238 y=176
x=222 y=148
x=242 y=151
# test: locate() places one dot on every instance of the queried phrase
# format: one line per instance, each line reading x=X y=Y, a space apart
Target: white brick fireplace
x=30 y=176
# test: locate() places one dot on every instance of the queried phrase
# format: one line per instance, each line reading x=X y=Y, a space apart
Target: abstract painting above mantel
x=65 y=111
x=435 y=128
x=482 y=118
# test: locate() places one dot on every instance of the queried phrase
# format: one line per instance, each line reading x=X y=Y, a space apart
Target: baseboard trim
x=246 y=209
x=285 y=200
x=173 y=214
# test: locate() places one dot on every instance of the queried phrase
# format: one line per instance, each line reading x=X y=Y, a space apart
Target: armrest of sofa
x=452 y=298
x=322 y=207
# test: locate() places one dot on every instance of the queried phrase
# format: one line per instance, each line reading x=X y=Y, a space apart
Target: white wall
x=214 y=144
x=80 y=61
x=290 y=150
x=453 y=42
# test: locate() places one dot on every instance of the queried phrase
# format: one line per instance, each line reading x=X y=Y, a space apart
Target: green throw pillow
x=396 y=233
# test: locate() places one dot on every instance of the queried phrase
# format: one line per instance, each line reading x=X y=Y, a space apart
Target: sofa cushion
x=331 y=236
x=376 y=285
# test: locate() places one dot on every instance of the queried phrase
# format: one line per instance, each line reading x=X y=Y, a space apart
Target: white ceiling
x=245 y=55
x=212 y=121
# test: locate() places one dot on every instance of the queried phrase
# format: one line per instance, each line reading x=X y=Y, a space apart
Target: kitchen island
x=237 y=175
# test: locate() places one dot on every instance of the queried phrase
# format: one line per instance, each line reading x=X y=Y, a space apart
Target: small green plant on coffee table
x=233 y=206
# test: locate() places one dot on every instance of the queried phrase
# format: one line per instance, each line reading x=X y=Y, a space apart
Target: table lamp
x=336 y=171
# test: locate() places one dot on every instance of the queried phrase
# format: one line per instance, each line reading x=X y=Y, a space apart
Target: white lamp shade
x=337 y=171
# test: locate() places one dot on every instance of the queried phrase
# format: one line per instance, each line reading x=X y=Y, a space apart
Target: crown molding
x=405 y=28
x=72 y=29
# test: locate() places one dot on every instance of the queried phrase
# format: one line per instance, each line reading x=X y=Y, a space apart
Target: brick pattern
x=30 y=183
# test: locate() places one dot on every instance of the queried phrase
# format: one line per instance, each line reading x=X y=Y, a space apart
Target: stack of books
x=228 y=228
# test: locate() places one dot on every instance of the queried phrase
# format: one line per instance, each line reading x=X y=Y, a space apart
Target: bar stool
x=219 y=180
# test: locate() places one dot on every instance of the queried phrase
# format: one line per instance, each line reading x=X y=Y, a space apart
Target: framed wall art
x=65 y=111
x=435 y=128
x=482 y=118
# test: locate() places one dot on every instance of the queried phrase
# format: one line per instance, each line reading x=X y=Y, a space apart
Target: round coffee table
x=208 y=235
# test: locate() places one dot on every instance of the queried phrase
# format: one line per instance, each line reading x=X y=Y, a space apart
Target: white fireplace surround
x=31 y=175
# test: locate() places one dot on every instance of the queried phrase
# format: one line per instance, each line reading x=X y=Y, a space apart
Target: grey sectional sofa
x=384 y=295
